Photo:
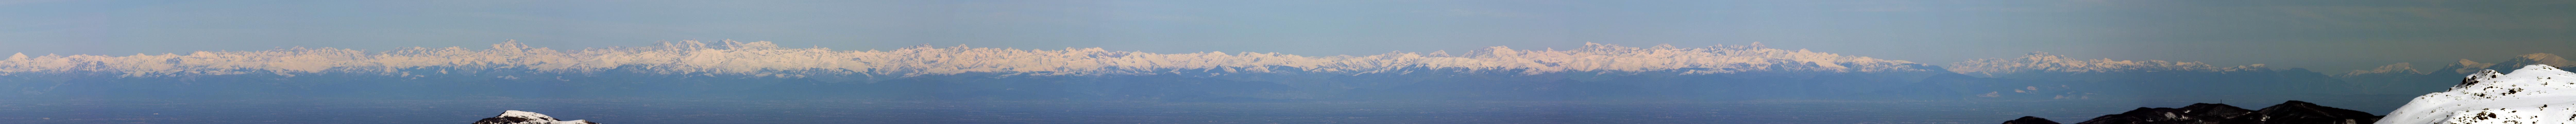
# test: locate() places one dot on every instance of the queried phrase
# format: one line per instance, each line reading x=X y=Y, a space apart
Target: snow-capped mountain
x=2524 y=96
x=731 y=69
x=2402 y=78
x=734 y=69
x=2058 y=76
x=2465 y=66
x=2042 y=62
x=2399 y=68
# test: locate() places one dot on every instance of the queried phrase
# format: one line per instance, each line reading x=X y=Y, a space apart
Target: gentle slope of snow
x=2535 y=94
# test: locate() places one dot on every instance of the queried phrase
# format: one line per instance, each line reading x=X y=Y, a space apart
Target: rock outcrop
x=525 y=117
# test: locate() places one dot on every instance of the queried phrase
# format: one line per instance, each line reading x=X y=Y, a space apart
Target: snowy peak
x=2529 y=59
x=2038 y=62
x=2402 y=78
x=2465 y=66
x=2540 y=58
x=2530 y=80
x=524 y=115
x=2523 y=96
x=2399 y=68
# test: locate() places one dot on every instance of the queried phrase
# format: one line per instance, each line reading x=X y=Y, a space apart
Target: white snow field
x=2535 y=94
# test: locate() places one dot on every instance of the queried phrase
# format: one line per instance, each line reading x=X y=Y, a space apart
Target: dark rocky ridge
x=2292 y=112
x=2031 y=120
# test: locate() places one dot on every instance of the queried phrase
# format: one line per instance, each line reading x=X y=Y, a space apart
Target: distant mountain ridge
x=2042 y=62
x=2048 y=76
x=2403 y=78
x=767 y=59
x=732 y=69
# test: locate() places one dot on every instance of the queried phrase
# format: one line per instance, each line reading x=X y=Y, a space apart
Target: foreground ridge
x=2292 y=112
x=2488 y=97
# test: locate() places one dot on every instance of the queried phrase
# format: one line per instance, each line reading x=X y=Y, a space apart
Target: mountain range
x=2400 y=78
x=732 y=69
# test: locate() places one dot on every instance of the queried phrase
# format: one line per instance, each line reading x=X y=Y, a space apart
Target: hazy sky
x=2327 y=35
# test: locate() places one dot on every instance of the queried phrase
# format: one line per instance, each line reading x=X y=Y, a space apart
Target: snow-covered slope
x=2535 y=94
x=525 y=117
x=767 y=59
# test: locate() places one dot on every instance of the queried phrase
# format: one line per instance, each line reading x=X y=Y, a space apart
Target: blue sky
x=2328 y=35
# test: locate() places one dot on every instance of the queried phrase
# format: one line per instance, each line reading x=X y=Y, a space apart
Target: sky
x=2324 y=35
